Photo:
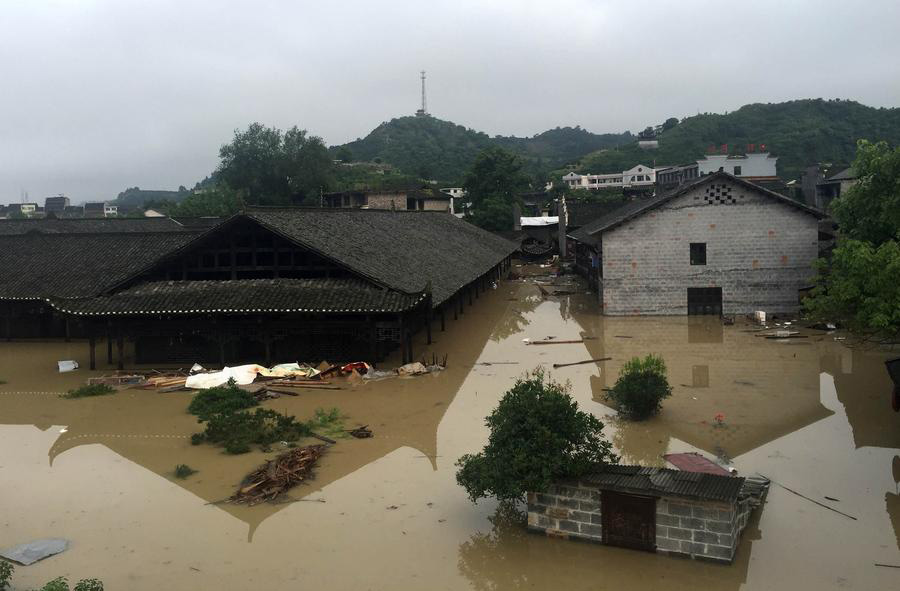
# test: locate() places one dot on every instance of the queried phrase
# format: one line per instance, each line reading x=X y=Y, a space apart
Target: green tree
x=641 y=387
x=859 y=286
x=870 y=210
x=220 y=201
x=271 y=167
x=537 y=435
x=493 y=184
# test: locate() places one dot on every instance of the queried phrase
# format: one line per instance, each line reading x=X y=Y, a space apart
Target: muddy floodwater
x=385 y=513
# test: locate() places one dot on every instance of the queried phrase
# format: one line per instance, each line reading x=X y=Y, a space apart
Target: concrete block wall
x=760 y=251
x=566 y=510
x=698 y=529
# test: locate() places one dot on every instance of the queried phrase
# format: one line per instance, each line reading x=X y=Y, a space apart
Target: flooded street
x=386 y=513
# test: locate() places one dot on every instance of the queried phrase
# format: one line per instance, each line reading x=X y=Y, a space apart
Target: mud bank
x=813 y=415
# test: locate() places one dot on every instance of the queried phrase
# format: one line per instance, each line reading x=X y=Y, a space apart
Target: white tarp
x=539 y=221
x=242 y=375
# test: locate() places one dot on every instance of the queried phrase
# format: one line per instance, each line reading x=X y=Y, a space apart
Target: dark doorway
x=704 y=301
x=629 y=521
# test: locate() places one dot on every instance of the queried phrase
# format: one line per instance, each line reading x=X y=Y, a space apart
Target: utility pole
x=423 y=112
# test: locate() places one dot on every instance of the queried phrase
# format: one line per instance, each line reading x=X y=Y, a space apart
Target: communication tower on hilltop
x=423 y=112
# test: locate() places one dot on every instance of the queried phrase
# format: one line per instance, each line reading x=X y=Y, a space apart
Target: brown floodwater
x=386 y=513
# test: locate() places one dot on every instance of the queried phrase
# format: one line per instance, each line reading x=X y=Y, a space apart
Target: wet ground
x=386 y=513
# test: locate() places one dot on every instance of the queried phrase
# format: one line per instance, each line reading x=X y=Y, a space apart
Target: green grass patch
x=92 y=390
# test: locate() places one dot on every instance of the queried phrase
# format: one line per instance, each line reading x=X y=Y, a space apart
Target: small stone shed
x=654 y=509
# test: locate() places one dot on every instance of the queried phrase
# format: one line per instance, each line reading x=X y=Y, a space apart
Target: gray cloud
x=102 y=95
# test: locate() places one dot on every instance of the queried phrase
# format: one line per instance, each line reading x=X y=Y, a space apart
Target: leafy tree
x=669 y=123
x=641 y=387
x=344 y=154
x=859 y=286
x=537 y=435
x=271 y=167
x=221 y=201
x=870 y=210
x=493 y=185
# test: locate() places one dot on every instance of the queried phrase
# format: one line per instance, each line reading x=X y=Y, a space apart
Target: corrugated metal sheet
x=667 y=482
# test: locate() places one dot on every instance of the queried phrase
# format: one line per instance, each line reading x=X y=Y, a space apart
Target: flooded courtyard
x=386 y=513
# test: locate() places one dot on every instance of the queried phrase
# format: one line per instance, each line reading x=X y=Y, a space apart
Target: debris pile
x=277 y=476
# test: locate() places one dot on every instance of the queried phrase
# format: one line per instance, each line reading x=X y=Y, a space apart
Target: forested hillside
x=800 y=133
x=437 y=149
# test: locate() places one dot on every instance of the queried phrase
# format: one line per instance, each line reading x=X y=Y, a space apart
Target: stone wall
x=566 y=510
x=758 y=250
x=699 y=529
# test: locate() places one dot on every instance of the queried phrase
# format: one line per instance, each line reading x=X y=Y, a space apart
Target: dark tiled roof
x=848 y=174
x=90 y=226
x=666 y=482
x=584 y=212
x=402 y=250
x=636 y=208
x=38 y=265
x=199 y=222
x=242 y=296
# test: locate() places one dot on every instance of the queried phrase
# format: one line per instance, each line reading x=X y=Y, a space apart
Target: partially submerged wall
x=699 y=529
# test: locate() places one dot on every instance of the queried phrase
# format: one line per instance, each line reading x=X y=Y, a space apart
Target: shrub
x=6 y=571
x=236 y=431
x=538 y=435
x=641 y=387
x=92 y=390
x=183 y=471
x=221 y=400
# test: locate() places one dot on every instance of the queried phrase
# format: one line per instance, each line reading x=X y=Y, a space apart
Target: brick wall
x=759 y=251
x=708 y=530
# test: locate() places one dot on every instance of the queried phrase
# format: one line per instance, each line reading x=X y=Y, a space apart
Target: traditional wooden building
x=266 y=284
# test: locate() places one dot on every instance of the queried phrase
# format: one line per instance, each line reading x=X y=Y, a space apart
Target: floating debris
x=277 y=476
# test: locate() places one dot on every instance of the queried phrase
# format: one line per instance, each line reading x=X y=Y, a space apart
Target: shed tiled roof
x=35 y=265
x=666 y=482
x=589 y=233
x=242 y=296
x=90 y=226
x=402 y=250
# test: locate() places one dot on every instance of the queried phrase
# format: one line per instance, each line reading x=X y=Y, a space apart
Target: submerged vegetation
x=57 y=584
x=182 y=471
x=537 y=435
x=92 y=390
x=641 y=387
x=230 y=423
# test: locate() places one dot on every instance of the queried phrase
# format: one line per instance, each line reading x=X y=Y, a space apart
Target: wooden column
x=470 y=295
x=455 y=303
x=92 y=341
x=120 y=349
x=443 y=324
x=409 y=347
x=268 y=343
x=68 y=329
x=108 y=344
x=373 y=342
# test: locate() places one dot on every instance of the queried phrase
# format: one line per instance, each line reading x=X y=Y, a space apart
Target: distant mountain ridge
x=801 y=133
x=438 y=149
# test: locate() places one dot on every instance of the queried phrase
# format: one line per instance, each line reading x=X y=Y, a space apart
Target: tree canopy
x=493 y=185
x=271 y=167
x=538 y=435
x=859 y=286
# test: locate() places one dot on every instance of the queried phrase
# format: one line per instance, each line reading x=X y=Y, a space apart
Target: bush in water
x=641 y=387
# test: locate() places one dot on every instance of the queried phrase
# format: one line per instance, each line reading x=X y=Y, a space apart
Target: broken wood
x=558 y=365
x=277 y=391
x=323 y=438
x=275 y=477
x=361 y=432
x=555 y=342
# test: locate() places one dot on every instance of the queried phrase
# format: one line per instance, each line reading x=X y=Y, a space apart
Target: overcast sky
x=98 y=96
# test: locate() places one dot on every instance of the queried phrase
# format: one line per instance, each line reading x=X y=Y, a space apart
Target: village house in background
x=638 y=177
x=719 y=245
x=423 y=199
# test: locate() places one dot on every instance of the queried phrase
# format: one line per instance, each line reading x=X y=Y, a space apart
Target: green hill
x=437 y=149
x=800 y=133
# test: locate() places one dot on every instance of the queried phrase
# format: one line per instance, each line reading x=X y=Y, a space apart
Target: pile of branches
x=277 y=476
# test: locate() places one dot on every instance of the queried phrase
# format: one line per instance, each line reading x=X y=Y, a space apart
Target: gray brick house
x=719 y=245
x=655 y=509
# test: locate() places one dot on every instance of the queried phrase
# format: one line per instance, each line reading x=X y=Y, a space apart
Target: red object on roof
x=694 y=462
